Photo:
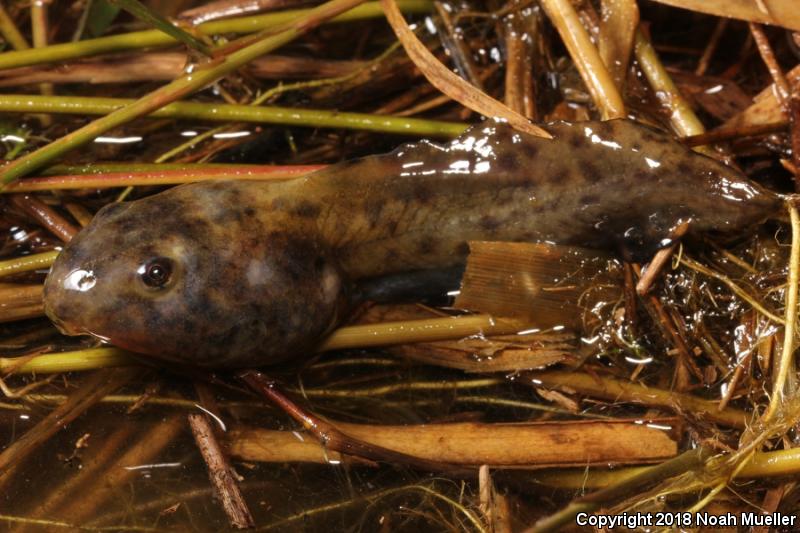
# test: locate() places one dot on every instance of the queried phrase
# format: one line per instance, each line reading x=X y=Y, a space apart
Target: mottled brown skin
x=262 y=270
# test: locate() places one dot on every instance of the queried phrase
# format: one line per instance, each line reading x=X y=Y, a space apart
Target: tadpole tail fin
x=546 y=285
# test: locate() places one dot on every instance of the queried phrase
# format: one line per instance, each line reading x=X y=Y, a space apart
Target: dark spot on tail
x=590 y=172
x=577 y=140
x=530 y=149
x=372 y=210
x=589 y=199
x=306 y=209
x=507 y=163
x=560 y=176
x=418 y=192
x=490 y=223
x=427 y=245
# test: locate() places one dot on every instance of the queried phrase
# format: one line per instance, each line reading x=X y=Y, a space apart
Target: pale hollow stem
x=27 y=263
x=154 y=38
x=564 y=442
x=410 y=331
x=684 y=121
x=595 y=75
x=288 y=116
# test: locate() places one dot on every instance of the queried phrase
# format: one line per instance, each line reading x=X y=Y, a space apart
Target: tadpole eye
x=156 y=273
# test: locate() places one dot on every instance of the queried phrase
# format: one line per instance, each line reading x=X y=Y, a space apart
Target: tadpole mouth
x=66 y=328
x=56 y=310
x=65 y=295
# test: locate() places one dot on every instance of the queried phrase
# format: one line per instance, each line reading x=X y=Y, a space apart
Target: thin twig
x=220 y=473
x=768 y=56
x=711 y=46
x=47 y=217
x=660 y=260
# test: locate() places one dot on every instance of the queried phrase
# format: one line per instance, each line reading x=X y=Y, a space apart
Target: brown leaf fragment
x=449 y=83
x=782 y=13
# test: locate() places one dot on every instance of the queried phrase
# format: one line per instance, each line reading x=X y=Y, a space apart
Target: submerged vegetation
x=673 y=386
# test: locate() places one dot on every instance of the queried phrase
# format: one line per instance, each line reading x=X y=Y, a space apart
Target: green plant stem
x=89 y=169
x=27 y=263
x=143 y=13
x=316 y=118
x=11 y=33
x=195 y=80
x=155 y=176
x=154 y=38
x=76 y=361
